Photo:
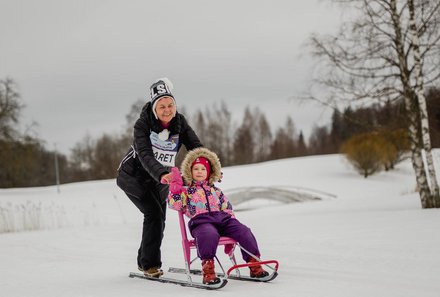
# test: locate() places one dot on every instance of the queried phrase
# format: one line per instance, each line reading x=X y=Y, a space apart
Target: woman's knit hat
x=160 y=88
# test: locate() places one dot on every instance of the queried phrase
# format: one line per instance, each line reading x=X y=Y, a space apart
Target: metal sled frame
x=229 y=249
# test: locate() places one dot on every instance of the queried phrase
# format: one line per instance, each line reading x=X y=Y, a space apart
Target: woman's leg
x=149 y=254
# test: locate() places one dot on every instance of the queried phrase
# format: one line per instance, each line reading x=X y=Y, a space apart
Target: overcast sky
x=80 y=65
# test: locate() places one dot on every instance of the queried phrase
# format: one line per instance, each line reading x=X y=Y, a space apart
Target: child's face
x=199 y=172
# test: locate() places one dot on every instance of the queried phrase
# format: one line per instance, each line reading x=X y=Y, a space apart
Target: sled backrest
x=186 y=243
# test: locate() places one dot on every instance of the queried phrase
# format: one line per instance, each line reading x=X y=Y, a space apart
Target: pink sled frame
x=188 y=244
x=229 y=248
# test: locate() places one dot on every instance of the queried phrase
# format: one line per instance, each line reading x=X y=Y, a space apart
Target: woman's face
x=165 y=109
x=199 y=172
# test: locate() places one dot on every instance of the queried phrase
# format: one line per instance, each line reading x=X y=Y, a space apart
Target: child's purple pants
x=207 y=228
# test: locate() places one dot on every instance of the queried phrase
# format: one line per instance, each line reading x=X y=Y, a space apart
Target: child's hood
x=213 y=159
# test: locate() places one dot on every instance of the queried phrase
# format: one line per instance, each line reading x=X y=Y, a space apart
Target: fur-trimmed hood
x=213 y=159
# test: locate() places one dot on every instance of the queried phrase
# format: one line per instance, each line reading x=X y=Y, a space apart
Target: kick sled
x=234 y=272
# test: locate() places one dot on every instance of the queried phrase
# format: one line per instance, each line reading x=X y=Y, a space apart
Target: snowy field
x=366 y=237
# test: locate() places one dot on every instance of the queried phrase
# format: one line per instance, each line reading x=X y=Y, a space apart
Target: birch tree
x=388 y=50
x=420 y=91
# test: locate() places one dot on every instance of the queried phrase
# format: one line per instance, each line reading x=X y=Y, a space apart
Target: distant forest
x=25 y=161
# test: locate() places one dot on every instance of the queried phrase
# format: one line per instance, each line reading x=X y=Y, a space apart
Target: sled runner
x=183 y=283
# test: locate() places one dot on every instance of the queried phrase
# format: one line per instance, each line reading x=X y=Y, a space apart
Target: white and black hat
x=161 y=88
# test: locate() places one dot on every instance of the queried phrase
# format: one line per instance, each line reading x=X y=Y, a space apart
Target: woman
x=158 y=135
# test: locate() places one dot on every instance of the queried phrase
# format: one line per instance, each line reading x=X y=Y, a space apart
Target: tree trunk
x=412 y=110
x=420 y=92
x=426 y=198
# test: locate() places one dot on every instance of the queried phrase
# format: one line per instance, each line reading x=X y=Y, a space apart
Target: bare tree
x=10 y=108
x=81 y=158
x=218 y=134
x=106 y=156
x=284 y=144
x=301 y=146
x=225 y=117
x=133 y=115
x=199 y=124
x=263 y=138
x=214 y=128
x=319 y=141
x=389 y=50
x=244 y=142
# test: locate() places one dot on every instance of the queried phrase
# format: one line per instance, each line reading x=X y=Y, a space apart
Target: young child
x=209 y=210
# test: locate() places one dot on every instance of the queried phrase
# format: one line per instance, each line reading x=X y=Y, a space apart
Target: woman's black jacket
x=139 y=170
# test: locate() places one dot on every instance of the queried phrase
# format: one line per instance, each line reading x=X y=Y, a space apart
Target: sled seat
x=189 y=244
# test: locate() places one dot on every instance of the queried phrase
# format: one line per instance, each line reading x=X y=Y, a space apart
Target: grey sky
x=81 y=64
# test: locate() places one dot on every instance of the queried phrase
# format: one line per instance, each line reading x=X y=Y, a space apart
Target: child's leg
x=207 y=237
x=243 y=235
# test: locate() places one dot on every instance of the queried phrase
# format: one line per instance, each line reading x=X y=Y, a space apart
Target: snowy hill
x=365 y=237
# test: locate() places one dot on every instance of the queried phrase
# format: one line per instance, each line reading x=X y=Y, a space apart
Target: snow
x=366 y=237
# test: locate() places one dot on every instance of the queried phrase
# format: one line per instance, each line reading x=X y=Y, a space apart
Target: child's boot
x=209 y=276
x=256 y=270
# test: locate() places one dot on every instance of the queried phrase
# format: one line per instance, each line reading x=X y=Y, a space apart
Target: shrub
x=363 y=151
x=370 y=152
x=397 y=145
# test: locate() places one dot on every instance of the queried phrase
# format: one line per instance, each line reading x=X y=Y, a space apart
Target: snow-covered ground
x=367 y=237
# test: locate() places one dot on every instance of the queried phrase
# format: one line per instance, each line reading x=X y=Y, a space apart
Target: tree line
x=25 y=161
